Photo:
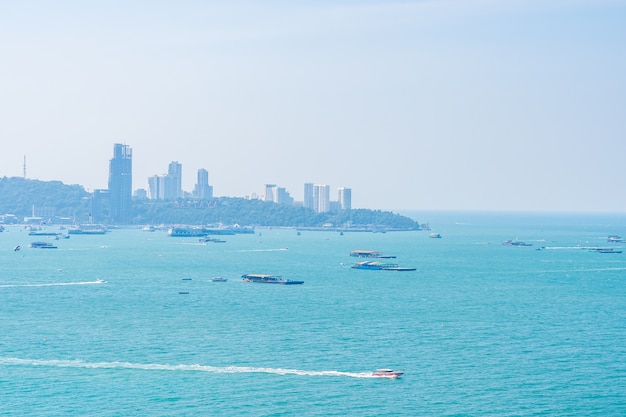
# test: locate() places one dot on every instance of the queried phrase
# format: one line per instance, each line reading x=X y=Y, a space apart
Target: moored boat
x=515 y=243
x=42 y=245
x=269 y=279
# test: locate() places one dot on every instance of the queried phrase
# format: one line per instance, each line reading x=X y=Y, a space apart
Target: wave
x=55 y=284
x=182 y=367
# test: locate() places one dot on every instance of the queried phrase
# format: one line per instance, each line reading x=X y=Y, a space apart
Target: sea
x=130 y=324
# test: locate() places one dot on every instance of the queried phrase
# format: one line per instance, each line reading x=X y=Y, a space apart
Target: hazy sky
x=442 y=104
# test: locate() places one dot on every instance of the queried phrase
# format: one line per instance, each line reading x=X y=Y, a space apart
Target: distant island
x=52 y=202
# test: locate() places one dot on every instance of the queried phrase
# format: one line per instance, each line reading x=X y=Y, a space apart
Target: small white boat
x=387 y=373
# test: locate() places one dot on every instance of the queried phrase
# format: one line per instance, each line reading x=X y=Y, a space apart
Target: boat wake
x=55 y=284
x=183 y=368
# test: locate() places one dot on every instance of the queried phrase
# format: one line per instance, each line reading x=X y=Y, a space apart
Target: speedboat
x=387 y=373
x=218 y=279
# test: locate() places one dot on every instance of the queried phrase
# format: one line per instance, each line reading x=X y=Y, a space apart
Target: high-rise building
x=121 y=183
x=321 y=195
x=345 y=198
x=309 y=196
x=270 y=192
x=174 y=181
x=203 y=190
x=283 y=196
x=156 y=187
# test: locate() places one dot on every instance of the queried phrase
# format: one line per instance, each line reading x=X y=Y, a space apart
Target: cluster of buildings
x=116 y=201
x=169 y=186
x=316 y=197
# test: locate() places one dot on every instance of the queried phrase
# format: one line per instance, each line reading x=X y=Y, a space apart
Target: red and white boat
x=386 y=373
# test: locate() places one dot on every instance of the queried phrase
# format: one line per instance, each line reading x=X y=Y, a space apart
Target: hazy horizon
x=448 y=105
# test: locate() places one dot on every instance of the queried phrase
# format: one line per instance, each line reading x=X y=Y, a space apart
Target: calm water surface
x=479 y=328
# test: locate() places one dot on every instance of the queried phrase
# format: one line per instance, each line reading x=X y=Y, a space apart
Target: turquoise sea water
x=480 y=329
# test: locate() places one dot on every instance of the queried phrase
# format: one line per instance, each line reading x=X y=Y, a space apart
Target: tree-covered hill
x=24 y=197
x=54 y=200
x=229 y=210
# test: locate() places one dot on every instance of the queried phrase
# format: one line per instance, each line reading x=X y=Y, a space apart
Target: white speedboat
x=387 y=373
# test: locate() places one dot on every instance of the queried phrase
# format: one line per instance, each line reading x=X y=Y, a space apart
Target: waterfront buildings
x=121 y=183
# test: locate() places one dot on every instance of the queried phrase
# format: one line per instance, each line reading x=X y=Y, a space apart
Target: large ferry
x=378 y=266
x=269 y=279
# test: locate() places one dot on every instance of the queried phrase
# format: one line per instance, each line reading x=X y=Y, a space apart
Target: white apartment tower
x=345 y=198
x=321 y=195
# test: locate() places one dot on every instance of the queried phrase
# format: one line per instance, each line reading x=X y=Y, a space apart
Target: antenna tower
x=24 y=166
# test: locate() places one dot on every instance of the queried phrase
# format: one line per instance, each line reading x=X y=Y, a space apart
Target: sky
x=516 y=105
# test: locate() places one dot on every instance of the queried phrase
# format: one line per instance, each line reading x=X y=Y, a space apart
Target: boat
x=42 y=245
x=88 y=229
x=187 y=232
x=380 y=266
x=211 y=239
x=42 y=233
x=218 y=279
x=269 y=279
x=607 y=250
x=614 y=239
x=515 y=243
x=387 y=373
x=370 y=254
x=435 y=236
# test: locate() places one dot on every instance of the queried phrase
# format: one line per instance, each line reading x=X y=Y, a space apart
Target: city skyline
x=416 y=105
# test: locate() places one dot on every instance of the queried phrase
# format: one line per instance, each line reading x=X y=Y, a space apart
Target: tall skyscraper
x=203 y=190
x=121 y=183
x=174 y=181
x=345 y=198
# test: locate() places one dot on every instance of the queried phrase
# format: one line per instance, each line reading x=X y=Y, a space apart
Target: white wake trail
x=55 y=284
x=182 y=367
